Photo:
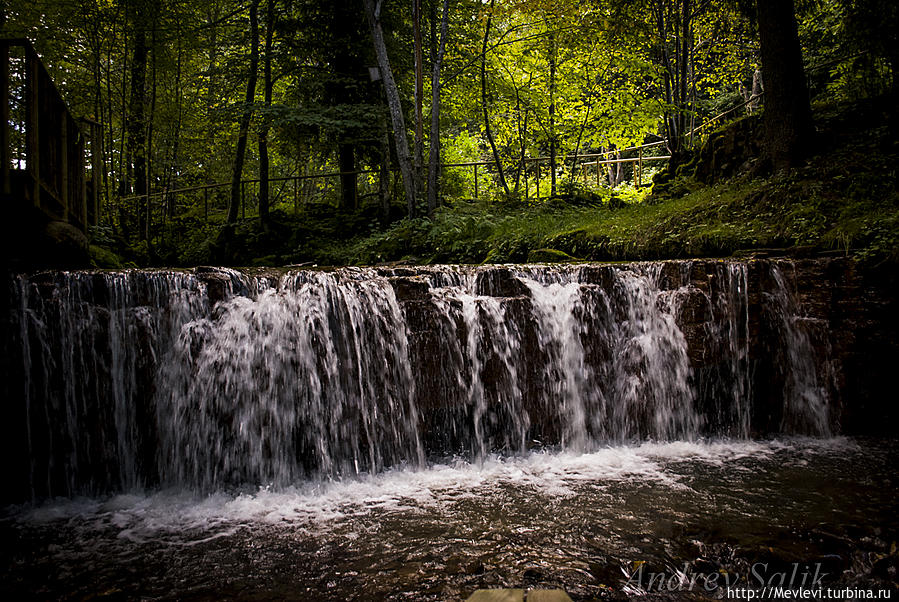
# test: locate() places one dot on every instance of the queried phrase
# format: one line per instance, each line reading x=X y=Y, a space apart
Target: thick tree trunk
x=240 y=154
x=264 y=194
x=484 y=103
x=434 y=155
x=787 y=116
x=410 y=182
x=341 y=91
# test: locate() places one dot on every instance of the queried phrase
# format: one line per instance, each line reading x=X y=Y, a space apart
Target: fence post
x=537 y=161
x=475 y=181
x=640 y=168
x=295 y=197
x=243 y=200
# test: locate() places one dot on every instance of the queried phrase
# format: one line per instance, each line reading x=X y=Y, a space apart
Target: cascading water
x=216 y=379
x=807 y=393
x=309 y=378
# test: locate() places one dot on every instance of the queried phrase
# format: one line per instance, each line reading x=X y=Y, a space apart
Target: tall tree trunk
x=410 y=182
x=434 y=155
x=787 y=116
x=419 y=90
x=339 y=92
x=211 y=87
x=384 y=177
x=552 y=113
x=148 y=136
x=246 y=115
x=263 y=131
x=686 y=47
x=484 y=103
x=136 y=131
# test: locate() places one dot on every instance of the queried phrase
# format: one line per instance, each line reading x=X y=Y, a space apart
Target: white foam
x=180 y=518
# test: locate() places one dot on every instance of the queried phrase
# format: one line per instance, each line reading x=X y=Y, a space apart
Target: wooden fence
x=42 y=146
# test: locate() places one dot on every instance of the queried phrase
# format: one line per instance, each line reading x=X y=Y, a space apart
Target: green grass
x=799 y=211
x=844 y=200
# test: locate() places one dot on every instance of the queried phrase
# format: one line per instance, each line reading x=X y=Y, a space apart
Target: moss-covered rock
x=549 y=256
x=105 y=259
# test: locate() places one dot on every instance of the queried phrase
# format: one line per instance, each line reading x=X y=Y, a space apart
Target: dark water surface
x=580 y=522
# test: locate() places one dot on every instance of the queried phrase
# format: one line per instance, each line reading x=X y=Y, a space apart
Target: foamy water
x=316 y=505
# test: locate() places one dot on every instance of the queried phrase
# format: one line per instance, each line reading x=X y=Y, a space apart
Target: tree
x=264 y=130
x=485 y=104
x=394 y=104
x=787 y=115
x=434 y=156
x=246 y=115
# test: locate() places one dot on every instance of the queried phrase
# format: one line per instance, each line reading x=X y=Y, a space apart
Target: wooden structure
x=42 y=146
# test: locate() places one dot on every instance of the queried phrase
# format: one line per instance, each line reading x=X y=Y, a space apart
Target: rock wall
x=215 y=377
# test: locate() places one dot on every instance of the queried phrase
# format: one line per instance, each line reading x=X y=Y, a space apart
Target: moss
x=104 y=258
x=549 y=256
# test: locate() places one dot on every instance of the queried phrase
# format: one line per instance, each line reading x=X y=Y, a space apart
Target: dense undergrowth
x=844 y=200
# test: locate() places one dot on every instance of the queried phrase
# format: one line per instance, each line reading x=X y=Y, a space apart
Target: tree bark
x=384 y=177
x=487 y=130
x=264 y=200
x=136 y=132
x=434 y=154
x=419 y=89
x=394 y=105
x=345 y=65
x=552 y=114
x=787 y=116
x=244 y=128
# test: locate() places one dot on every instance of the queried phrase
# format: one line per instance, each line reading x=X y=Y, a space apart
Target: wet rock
x=500 y=282
x=410 y=288
x=218 y=284
x=475 y=567
x=602 y=275
x=606 y=573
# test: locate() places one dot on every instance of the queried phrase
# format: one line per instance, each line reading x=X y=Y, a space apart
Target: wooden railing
x=42 y=146
x=161 y=206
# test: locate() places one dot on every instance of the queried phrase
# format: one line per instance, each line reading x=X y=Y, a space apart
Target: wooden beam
x=32 y=115
x=62 y=158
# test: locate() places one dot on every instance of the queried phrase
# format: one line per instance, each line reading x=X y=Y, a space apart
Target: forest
x=288 y=132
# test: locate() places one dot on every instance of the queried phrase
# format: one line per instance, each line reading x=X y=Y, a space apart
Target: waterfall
x=807 y=395
x=213 y=378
